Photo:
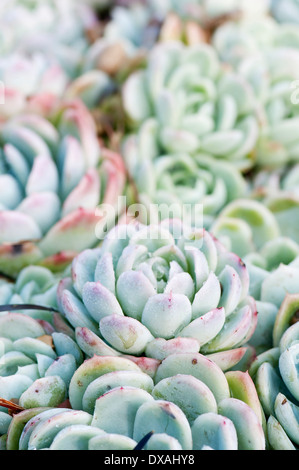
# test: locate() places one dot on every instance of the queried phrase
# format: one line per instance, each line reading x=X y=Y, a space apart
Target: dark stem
x=15 y=307
x=143 y=441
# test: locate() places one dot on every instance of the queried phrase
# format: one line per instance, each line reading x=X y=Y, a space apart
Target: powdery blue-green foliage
x=52 y=180
x=275 y=373
x=190 y=104
x=192 y=293
x=167 y=320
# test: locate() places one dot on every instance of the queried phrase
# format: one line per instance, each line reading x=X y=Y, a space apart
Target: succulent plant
x=114 y=405
x=243 y=37
x=192 y=294
x=250 y=229
x=54 y=28
x=53 y=177
x=261 y=229
x=149 y=247
x=38 y=83
x=203 y=10
x=189 y=103
x=244 y=226
x=240 y=38
x=36 y=371
x=34 y=286
x=38 y=351
x=273 y=277
x=43 y=55
x=275 y=373
x=30 y=83
x=272 y=74
x=273 y=283
x=256 y=49
x=134 y=23
x=36 y=362
x=194 y=187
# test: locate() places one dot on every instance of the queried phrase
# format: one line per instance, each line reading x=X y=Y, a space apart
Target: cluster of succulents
x=53 y=177
x=149 y=236
x=113 y=405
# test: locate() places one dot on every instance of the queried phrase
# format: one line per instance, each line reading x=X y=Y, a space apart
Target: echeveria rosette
x=38 y=355
x=285 y=12
x=260 y=229
x=266 y=55
x=30 y=304
x=273 y=279
x=30 y=83
x=114 y=405
x=151 y=290
x=192 y=104
x=272 y=74
x=246 y=36
x=53 y=177
x=278 y=190
x=204 y=10
x=275 y=373
x=244 y=226
x=248 y=228
x=38 y=350
x=235 y=40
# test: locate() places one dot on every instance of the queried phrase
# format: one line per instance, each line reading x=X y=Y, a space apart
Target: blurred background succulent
x=136 y=23
x=275 y=373
x=266 y=53
x=244 y=226
x=286 y=12
x=189 y=103
x=38 y=350
x=36 y=370
x=250 y=229
x=54 y=28
x=53 y=176
x=244 y=36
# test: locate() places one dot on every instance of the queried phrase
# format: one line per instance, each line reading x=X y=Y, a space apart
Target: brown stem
x=12 y=407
